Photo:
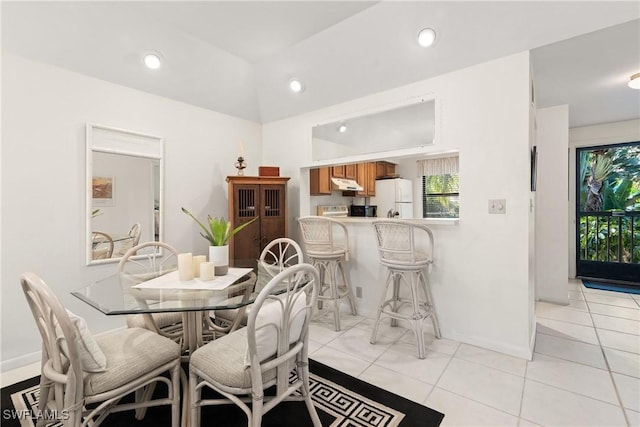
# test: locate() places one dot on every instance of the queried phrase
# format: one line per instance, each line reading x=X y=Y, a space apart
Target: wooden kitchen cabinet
x=385 y=169
x=371 y=179
x=320 y=181
x=338 y=171
x=364 y=174
x=350 y=171
x=251 y=197
x=366 y=177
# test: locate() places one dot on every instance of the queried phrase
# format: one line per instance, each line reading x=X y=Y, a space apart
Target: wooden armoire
x=264 y=197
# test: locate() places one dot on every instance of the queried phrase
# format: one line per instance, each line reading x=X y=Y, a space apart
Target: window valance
x=438 y=166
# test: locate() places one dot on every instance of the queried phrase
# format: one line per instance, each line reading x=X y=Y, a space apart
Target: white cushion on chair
x=91 y=355
x=267 y=336
x=132 y=352
x=160 y=319
x=222 y=360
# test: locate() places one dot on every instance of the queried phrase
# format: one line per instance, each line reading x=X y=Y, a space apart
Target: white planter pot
x=219 y=256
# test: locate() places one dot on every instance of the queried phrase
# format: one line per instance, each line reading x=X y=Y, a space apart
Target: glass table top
x=125 y=293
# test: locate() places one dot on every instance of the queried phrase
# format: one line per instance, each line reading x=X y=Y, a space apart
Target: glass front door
x=608 y=212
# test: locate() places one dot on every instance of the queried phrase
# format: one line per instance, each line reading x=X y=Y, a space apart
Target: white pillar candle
x=185 y=266
x=197 y=260
x=207 y=271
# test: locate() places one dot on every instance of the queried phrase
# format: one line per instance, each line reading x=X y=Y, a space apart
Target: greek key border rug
x=341 y=401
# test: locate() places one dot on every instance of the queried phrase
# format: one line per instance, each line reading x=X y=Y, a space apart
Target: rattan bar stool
x=326 y=244
x=406 y=267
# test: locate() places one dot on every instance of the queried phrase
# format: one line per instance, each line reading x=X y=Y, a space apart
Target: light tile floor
x=585 y=370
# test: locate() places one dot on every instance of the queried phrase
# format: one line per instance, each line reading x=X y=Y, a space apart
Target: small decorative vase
x=219 y=256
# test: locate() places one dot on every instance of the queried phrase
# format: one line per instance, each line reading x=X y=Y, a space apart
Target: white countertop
x=426 y=221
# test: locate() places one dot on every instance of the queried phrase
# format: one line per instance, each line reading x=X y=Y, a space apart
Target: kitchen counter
x=426 y=221
x=364 y=269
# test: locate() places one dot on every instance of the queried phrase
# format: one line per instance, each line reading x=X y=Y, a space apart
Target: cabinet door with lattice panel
x=261 y=197
x=246 y=206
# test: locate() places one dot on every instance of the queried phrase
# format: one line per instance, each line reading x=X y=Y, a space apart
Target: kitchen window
x=440 y=187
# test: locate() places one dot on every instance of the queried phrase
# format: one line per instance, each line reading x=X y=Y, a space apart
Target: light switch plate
x=497 y=206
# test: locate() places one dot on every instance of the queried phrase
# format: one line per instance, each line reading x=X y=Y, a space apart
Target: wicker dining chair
x=101 y=245
x=276 y=256
x=241 y=365
x=144 y=262
x=83 y=378
x=133 y=240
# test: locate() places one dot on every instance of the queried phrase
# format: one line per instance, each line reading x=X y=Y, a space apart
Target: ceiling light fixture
x=342 y=128
x=426 y=37
x=296 y=85
x=634 y=81
x=152 y=61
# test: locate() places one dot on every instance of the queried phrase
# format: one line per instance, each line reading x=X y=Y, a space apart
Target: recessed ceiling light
x=296 y=85
x=152 y=61
x=634 y=81
x=426 y=37
x=342 y=128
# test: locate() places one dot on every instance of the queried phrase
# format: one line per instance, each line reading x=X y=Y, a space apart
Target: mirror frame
x=129 y=143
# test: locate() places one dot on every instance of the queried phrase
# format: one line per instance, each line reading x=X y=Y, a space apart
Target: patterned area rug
x=341 y=401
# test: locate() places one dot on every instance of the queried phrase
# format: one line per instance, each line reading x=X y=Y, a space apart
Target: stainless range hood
x=342 y=184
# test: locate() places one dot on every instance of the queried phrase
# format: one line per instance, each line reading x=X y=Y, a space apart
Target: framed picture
x=534 y=167
x=103 y=190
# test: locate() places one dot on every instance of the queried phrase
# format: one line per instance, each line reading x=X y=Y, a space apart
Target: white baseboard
x=522 y=352
x=532 y=340
x=559 y=301
x=20 y=368
x=19 y=362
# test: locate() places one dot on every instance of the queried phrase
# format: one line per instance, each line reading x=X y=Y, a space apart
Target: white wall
x=604 y=134
x=552 y=207
x=481 y=278
x=44 y=112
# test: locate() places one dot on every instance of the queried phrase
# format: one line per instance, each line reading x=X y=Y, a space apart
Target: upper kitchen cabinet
x=320 y=181
x=338 y=171
x=385 y=170
x=363 y=173
x=350 y=171
x=366 y=176
x=344 y=171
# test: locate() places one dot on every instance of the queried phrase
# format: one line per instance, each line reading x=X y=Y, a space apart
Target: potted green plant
x=218 y=232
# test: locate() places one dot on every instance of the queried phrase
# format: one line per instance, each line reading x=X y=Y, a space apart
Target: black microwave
x=364 y=210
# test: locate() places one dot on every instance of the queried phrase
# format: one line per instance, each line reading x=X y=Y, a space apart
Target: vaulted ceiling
x=237 y=57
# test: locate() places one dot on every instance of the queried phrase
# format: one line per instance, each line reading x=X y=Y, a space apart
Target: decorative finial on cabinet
x=240 y=165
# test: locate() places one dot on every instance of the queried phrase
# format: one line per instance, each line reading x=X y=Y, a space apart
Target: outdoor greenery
x=440 y=196
x=610 y=188
x=608 y=239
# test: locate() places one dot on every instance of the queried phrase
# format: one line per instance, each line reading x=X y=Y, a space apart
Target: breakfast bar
x=363 y=269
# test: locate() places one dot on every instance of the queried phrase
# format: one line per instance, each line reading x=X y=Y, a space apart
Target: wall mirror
x=123 y=190
x=397 y=128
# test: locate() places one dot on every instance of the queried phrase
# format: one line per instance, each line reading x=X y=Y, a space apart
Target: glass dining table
x=197 y=300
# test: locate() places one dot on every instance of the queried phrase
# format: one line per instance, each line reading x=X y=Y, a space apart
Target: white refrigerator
x=394 y=198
